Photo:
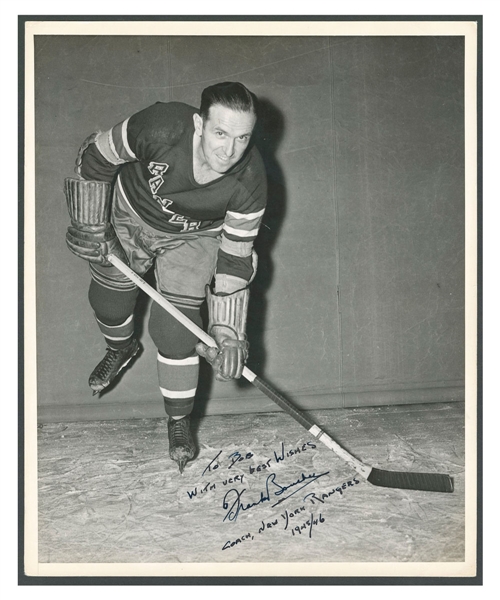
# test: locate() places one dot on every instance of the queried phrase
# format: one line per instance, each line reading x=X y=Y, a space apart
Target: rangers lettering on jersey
x=157 y=170
x=186 y=224
x=164 y=203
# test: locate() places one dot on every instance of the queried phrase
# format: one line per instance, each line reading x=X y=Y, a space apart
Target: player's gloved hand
x=226 y=324
x=229 y=358
x=94 y=242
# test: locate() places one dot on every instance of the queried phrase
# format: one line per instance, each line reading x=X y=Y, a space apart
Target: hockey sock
x=171 y=337
x=117 y=336
x=178 y=379
x=113 y=310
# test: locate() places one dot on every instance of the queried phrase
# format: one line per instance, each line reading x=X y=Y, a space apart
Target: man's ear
x=198 y=124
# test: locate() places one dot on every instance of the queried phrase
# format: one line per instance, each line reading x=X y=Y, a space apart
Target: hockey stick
x=427 y=482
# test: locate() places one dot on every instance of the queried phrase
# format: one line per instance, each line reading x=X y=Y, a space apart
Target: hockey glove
x=94 y=242
x=91 y=236
x=227 y=321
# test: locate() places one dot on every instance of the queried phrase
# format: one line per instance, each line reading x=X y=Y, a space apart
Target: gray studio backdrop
x=359 y=299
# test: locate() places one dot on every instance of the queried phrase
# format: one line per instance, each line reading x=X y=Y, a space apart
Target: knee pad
x=111 y=277
x=171 y=338
x=111 y=306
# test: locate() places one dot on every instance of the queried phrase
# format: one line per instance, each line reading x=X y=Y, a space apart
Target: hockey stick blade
x=426 y=482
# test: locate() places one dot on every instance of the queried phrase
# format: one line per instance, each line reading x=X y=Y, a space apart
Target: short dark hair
x=230 y=94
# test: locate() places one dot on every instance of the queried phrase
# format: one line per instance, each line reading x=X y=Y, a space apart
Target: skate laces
x=180 y=432
x=107 y=363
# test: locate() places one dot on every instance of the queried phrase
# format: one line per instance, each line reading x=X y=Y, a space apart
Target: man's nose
x=229 y=148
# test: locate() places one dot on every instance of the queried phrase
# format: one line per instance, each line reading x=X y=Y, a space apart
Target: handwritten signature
x=233 y=501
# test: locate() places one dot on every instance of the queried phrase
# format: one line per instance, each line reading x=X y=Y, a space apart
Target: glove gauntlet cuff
x=228 y=314
x=89 y=202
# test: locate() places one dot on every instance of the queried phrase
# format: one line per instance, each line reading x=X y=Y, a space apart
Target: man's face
x=225 y=136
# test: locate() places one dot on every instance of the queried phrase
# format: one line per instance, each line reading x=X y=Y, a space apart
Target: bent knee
x=172 y=338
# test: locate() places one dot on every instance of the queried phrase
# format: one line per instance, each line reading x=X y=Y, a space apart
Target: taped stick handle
x=259 y=383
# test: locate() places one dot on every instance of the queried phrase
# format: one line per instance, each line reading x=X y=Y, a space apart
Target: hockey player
x=188 y=195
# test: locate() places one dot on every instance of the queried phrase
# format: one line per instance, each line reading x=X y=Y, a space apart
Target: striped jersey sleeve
x=241 y=226
x=114 y=145
x=237 y=265
x=111 y=149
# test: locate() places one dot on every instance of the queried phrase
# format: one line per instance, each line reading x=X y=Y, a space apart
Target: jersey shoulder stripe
x=121 y=141
x=113 y=144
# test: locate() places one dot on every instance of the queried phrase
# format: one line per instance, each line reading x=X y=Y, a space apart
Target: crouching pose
x=184 y=190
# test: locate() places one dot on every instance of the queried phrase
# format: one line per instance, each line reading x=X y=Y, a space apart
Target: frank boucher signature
x=234 y=502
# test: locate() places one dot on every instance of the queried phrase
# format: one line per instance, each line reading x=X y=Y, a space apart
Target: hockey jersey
x=151 y=156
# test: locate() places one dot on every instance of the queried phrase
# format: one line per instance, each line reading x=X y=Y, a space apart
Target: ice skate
x=111 y=365
x=181 y=443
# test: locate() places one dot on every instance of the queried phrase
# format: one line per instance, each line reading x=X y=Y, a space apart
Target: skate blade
x=96 y=389
x=181 y=460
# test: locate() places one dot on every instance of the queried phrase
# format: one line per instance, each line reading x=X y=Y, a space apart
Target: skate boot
x=181 y=443
x=111 y=365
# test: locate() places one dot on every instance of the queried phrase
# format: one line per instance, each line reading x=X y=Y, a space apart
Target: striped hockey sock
x=117 y=336
x=178 y=379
